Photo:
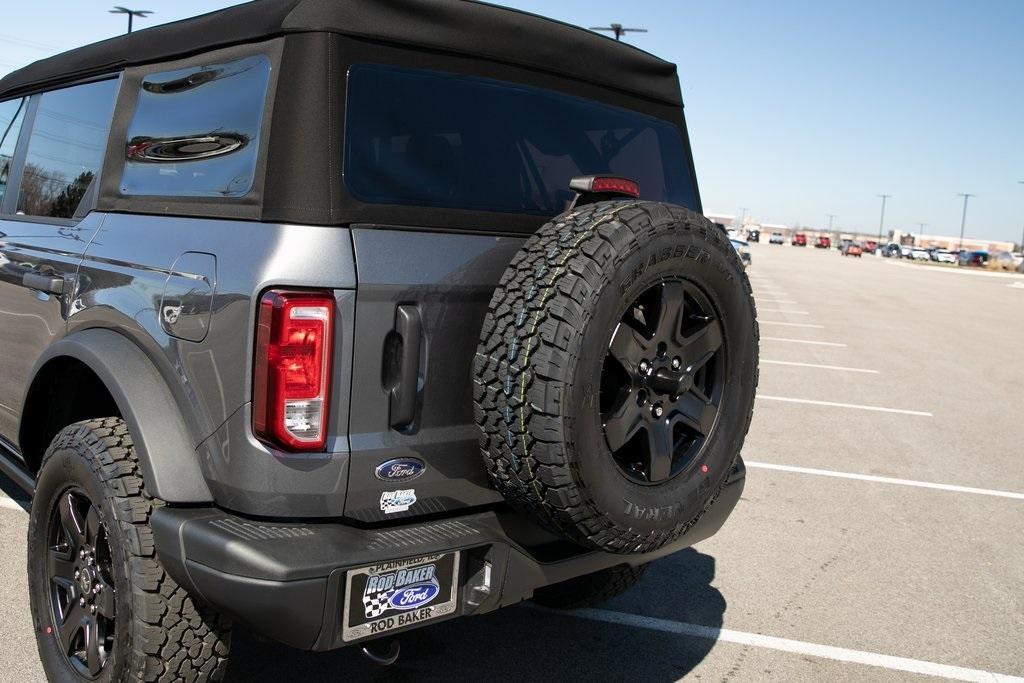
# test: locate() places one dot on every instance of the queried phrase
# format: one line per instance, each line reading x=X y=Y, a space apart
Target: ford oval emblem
x=400 y=469
x=414 y=596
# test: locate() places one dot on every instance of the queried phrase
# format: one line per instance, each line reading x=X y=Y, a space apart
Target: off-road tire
x=590 y=590
x=534 y=371
x=161 y=632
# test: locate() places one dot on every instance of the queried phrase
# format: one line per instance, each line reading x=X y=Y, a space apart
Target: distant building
x=776 y=227
x=947 y=242
x=726 y=219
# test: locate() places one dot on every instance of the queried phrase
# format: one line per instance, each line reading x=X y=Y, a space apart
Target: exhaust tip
x=383 y=652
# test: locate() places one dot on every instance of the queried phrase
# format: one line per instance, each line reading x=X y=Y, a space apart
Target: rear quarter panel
x=122 y=279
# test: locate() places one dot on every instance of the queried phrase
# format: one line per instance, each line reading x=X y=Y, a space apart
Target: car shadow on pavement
x=524 y=643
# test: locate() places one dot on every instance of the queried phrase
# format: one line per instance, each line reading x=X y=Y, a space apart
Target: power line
x=14 y=40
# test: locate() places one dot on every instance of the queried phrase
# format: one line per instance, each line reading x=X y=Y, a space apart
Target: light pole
x=920 y=231
x=881 y=221
x=618 y=30
x=830 y=216
x=140 y=13
x=963 y=218
x=1021 y=182
x=743 y=217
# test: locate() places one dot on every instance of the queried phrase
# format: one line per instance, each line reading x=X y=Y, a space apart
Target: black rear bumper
x=286 y=580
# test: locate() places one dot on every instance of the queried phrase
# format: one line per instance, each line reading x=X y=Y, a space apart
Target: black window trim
x=8 y=209
x=13 y=191
x=246 y=207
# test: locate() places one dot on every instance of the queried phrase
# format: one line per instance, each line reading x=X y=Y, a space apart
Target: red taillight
x=603 y=184
x=292 y=377
x=616 y=185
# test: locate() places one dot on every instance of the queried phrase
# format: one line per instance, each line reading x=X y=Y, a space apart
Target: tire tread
x=174 y=637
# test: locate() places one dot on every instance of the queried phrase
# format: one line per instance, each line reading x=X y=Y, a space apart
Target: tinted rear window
x=434 y=139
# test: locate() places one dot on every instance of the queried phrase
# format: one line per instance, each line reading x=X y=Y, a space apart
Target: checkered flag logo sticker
x=376 y=605
x=402 y=589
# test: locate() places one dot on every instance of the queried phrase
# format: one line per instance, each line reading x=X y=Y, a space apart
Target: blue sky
x=796 y=108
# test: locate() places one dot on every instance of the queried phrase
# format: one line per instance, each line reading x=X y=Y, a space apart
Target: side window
x=12 y=113
x=196 y=131
x=65 y=148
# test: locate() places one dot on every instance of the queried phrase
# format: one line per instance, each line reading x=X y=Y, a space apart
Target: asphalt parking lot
x=880 y=535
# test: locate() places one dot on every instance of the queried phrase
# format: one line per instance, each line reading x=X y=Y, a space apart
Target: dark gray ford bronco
x=334 y=319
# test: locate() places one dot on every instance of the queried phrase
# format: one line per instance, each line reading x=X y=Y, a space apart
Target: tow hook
x=383 y=652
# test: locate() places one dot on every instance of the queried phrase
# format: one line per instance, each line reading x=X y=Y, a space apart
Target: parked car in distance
x=1002 y=261
x=870 y=246
x=753 y=235
x=823 y=242
x=906 y=251
x=973 y=259
x=799 y=239
x=920 y=254
x=943 y=256
x=743 y=249
x=891 y=250
x=852 y=248
x=776 y=238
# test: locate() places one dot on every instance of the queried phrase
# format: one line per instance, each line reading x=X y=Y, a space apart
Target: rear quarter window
x=428 y=138
x=195 y=132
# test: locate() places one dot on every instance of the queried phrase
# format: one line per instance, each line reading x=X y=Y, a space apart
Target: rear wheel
x=102 y=605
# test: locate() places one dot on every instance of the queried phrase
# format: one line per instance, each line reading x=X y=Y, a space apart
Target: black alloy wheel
x=662 y=382
x=82 y=605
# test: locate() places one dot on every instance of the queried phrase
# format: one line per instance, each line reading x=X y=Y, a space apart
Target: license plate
x=390 y=595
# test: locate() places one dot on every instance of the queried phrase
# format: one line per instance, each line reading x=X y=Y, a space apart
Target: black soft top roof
x=459 y=26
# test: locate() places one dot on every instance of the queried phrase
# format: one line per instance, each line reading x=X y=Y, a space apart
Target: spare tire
x=616 y=372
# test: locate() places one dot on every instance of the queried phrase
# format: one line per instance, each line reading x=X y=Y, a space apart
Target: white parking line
x=886 y=480
x=781 y=310
x=1017 y=285
x=10 y=504
x=956 y=271
x=779 y=322
x=815 y=365
x=838 y=654
x=775 y=301
x=802 y=341
x=854 y=406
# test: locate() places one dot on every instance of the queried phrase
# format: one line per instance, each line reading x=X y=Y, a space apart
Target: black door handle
x=49 y=283
x=403 y=394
